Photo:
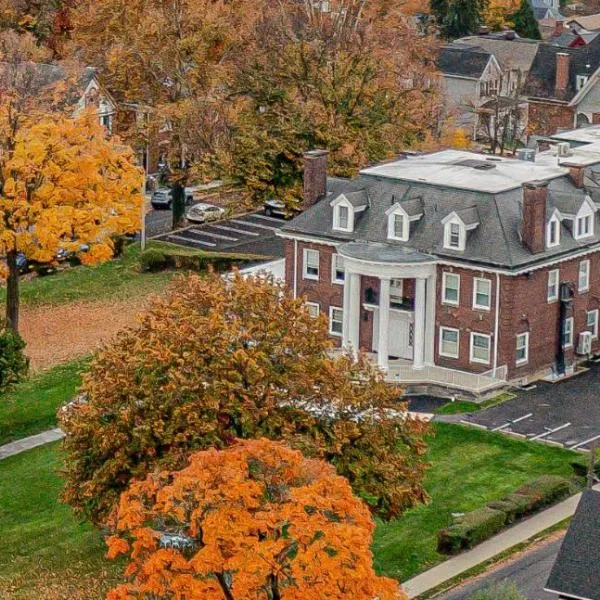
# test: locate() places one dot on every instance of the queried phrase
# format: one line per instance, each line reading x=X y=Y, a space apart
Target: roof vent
x=527 y=154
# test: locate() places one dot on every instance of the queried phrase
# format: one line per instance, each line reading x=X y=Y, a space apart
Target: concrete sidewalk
x=30 y=442
x=517 y=534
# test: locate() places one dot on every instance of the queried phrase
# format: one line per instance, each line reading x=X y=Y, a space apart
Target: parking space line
x=512 y=422
x=234 y=230
x=550 y=432
x=264 y=218
x=596 y=437
x=191 y=240
x=215 y=235
x=258 y=225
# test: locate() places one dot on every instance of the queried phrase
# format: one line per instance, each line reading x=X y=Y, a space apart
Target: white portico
x=397 y=332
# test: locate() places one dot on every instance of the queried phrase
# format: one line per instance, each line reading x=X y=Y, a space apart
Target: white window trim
x=586 y=210
x=586 y=286
x=445 y=275
x=334 y=259
x=313 y=305
x=471 y=346
x=331 y=309
x=555 y=297
x=522 y=361
x=595 y=331
x=553 y=219
x=441 y=342
x=462 y=234
x=342 y=201
x=569 y=344
x=305 y=274
x=404 y=237
x=482 y=306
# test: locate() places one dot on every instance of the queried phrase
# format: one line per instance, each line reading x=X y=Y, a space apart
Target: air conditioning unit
x=585 y=343
x=563 y=149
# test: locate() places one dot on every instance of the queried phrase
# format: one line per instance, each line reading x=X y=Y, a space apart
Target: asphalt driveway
x=566 y=413
x=249 y=234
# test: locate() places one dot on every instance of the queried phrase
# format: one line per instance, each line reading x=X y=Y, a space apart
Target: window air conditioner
x=585 y=343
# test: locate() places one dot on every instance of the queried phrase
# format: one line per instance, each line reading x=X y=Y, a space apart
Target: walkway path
x=487 y=550
x=33 y=441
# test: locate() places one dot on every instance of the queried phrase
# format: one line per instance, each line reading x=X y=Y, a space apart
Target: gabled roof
x=460 y=60
x=575 y=573
x=541 y=81
x=589 y=22
x=516 y=54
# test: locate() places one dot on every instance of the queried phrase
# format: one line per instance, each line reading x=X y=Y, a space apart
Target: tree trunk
x=12 y=292
x=178 y=204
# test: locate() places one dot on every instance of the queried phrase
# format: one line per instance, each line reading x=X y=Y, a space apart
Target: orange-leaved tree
x=64 y=187
x=214 y=361
x=255 y=521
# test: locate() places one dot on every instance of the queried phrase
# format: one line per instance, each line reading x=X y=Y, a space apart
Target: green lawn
x=115 y=279
x=31 y=406
x=469 y=467
x=42 y=542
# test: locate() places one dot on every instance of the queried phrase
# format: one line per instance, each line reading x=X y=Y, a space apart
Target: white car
x=201 y=213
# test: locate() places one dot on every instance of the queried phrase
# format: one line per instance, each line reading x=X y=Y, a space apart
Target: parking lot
x=248 y=234
x=565 y=413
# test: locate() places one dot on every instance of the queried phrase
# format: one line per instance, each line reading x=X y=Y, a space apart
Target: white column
x=419 y=326
x=354 y=312
x=384 y=324
x=430 y=320
x=346 y=313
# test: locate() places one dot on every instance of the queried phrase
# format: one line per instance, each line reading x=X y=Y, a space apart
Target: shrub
x=514 y=505
x=217 y=360
x=470 y=529
x=503 y=591
x=257 y=520
x=153 y=260
x=545 y=490
x=14 y=365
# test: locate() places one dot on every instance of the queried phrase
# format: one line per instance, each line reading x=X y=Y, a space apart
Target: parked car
x=277 y=208
x=201 y=213
x=163 y=198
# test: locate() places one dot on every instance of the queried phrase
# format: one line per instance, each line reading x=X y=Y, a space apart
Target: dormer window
x=553 y=231
x=343 y=216
x=456 y=225
x=454 y=235
x=345 y=207
x=399 y=219
x=584 y=221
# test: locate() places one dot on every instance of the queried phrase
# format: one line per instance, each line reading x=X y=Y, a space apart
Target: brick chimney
x=533 y=224
x=315 y=176
x=576 y=173
x=563 y=61
x=559 y=28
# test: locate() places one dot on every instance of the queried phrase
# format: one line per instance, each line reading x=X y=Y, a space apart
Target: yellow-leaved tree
x=66 y=187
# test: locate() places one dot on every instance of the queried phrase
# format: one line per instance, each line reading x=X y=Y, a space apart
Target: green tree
x=457 y=18
x=215 y=361
x=525 y=23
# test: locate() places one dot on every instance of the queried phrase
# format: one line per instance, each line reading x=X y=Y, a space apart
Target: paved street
x=251 y=234
x=567 y=413
x=529 y=572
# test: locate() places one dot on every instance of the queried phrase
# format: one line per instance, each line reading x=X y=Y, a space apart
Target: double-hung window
x=480 y=348
x=522 y=350
x=567 y=333
x=584 y=276
x=454 y=235
x=343 y=217
x=313 y=309
x=336 y=321
x=311 y=264
x=449 y=342
x=482 y=293
x=553 y=285
x=592 y=322
x=584 y=226
x=337 y=269
x=451 y=289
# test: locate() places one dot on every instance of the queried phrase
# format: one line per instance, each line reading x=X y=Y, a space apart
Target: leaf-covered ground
x=46 y=553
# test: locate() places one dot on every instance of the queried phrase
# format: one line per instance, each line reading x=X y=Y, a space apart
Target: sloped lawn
x=469 y=467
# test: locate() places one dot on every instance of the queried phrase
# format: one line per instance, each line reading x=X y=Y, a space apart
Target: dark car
x=163 y=198
x=277 y=208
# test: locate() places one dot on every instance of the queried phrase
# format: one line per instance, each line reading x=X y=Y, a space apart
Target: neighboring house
x=562 y=87
x=471 y=75
x=576 y=573
x=585 y=23
x=454 y=268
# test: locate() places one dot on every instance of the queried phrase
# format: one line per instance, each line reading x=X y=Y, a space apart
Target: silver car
x=163 y=198
x=201 y=213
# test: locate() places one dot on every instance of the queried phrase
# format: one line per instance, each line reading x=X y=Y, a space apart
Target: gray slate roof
x=463 y=61
x=494 y=242
x=516 y=55
x=576 y=572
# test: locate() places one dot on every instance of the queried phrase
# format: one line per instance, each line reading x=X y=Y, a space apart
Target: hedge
x=154 y=260
x=478 y=525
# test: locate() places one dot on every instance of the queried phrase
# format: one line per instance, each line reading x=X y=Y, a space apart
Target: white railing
x=500 y=373
x=477 y=383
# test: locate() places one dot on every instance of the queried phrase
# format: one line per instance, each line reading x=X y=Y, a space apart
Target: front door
x=400 y=335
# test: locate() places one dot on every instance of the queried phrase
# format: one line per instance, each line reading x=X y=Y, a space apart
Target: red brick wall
x=465 y=318
x=548 y=118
